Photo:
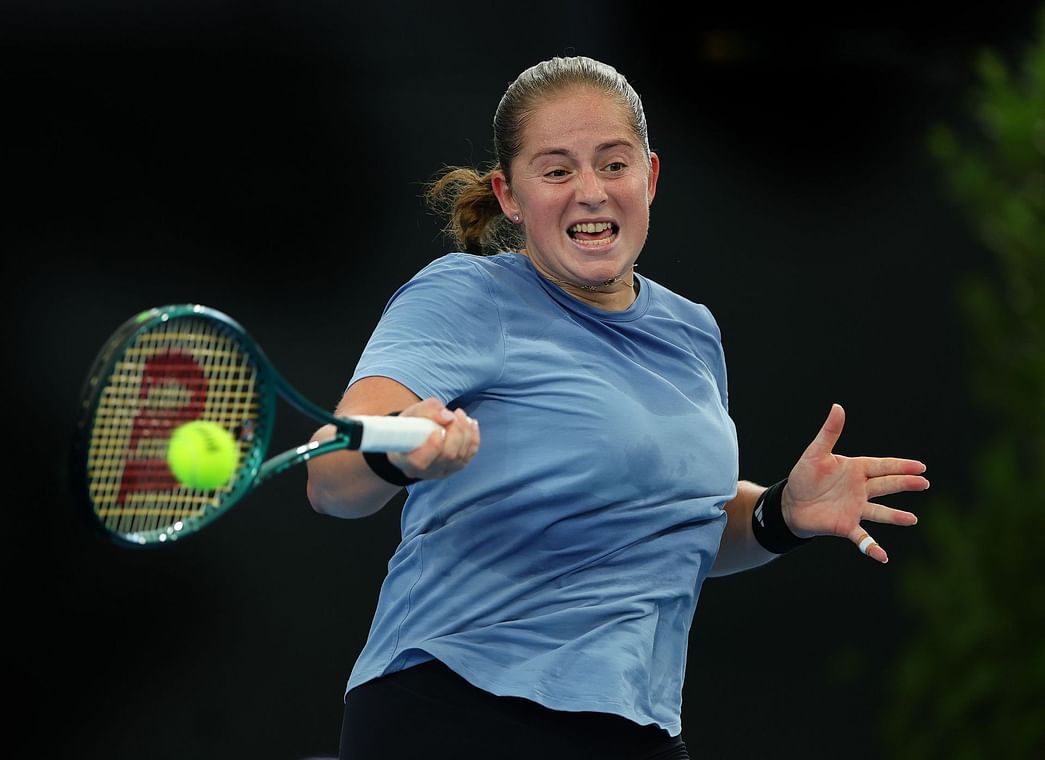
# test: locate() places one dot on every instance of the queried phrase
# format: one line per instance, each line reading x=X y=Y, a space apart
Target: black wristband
x=384 y=469
x=767 y=522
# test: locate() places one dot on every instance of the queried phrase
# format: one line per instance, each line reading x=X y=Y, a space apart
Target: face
x=582 y=186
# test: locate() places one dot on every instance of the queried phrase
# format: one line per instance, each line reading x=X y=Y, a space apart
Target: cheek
x=544 y=210
x=640 y=203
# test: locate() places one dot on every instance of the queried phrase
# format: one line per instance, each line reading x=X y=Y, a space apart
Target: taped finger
x=866 y=544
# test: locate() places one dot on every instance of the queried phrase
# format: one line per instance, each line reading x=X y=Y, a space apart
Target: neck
x=614 y=294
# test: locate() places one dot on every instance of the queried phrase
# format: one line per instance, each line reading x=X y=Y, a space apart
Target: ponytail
x=465 y=198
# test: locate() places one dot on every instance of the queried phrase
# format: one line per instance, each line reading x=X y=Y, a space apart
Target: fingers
x=460 y=435
x=879 y=514
x=890 y=484
x=432 y=408
x=878 y=466
x=868 y=545
x=872 y=548
x=888 y=516
x=447 y=450
x=826 y=439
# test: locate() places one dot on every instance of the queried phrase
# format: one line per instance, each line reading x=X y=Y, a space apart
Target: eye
x=616 y=166
x=556 y=173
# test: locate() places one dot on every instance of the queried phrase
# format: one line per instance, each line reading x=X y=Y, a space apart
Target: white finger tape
x=866 y=544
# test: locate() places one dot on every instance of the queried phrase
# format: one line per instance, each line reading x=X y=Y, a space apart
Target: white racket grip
x=393 y=433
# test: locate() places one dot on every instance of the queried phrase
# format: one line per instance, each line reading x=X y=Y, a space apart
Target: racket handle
x=393 y=433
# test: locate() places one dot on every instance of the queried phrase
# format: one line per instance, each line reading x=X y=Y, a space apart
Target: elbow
x=315 y=498
x=324 y=502
x=323 y=498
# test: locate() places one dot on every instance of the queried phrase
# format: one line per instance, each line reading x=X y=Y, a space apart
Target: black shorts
x=428 y=711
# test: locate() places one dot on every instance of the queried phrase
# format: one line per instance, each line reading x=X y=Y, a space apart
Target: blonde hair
x=464 y=195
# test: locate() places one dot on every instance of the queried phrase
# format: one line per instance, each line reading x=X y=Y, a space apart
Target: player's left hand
x=829 y=494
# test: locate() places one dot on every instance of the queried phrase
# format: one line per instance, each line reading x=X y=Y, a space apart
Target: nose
x=590 y=189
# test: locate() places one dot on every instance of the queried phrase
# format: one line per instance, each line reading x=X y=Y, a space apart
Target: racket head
x=163 y=368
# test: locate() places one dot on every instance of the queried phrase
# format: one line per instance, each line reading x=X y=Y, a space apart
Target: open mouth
x=593 y=234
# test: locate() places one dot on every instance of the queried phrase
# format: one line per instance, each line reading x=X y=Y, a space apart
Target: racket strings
x=181 y=370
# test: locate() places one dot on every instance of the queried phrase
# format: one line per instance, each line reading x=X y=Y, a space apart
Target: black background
x=266 y=159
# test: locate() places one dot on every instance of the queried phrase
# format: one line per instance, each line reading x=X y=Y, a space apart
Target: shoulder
x=463 y=288
x=497 y=275
x=449 y=275
x=667 y=302
x=471 y=265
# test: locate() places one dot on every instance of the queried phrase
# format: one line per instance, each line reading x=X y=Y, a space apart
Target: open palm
x=830 y=494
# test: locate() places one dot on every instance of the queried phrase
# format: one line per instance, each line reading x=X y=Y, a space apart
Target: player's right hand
x=447 y=450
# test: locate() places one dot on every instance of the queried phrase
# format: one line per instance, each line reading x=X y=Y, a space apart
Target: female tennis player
x=540 y=601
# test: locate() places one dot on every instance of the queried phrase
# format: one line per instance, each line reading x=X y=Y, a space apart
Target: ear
x=654 y=174
x=503 y=191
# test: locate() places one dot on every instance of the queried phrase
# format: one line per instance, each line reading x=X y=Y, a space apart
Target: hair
x=464 y=195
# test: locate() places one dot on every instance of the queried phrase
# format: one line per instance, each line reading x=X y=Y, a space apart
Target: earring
x=516 y=218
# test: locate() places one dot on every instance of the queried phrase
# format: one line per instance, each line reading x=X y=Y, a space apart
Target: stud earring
x=516 y=218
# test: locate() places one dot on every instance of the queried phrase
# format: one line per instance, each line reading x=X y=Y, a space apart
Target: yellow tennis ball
x=202 y=454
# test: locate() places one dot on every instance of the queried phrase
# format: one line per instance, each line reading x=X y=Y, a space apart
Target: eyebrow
x=570 y=154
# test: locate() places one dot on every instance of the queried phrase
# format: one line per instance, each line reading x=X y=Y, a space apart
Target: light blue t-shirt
x=563 y=564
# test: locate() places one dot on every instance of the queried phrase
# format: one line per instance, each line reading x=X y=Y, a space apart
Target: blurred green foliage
x=970 y=681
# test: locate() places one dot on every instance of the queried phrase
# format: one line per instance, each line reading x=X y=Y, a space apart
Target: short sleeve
x=718 y=363
x=440 y=333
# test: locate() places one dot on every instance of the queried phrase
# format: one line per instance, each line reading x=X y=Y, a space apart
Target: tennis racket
x=176 y=364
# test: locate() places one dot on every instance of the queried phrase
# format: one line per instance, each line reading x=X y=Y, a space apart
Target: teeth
x=594 y=243
x=591 y=227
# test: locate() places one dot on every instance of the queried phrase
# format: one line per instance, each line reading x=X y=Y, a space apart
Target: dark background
x=266 y=159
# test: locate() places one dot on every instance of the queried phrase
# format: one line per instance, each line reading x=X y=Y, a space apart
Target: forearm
x=341 y=484
x=739 y=550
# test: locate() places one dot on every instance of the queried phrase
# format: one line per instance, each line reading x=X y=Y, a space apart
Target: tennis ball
x=202 y=454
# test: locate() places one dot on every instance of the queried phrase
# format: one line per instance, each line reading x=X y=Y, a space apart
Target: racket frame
x=252 y=470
